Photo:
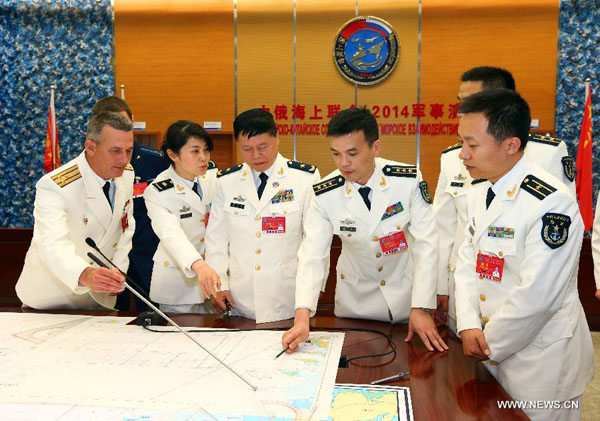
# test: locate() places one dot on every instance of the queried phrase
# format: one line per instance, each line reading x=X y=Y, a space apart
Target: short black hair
x=507 y=113
x=490 y=77
x=112 y=104
x=253 y=123
x=178 y=135
x=354 y=120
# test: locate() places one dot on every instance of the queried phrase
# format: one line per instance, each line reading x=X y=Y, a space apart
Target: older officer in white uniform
x=90 y=196
x=178 y=204
x=454 y=182
x=256 y=223
x=381 y=210
x=596 y=247
x=516 y=279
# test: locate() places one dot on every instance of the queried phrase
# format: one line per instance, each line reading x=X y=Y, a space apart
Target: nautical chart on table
x=109 y=365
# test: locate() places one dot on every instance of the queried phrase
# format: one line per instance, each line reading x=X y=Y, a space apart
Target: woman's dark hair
x=179 y=133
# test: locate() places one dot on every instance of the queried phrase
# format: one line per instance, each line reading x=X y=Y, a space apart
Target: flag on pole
x=51 y=153
x=584 y=162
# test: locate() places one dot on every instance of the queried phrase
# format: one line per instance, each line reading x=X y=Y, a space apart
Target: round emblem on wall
x=366 y=50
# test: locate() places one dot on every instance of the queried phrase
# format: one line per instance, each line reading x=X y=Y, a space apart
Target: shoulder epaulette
x=544 y=139
x=478 y=180
x=211 y=165
x=400 y=170
x=537 y=187
x=67 y=176
x=302 y=166
x=163 y=185
x=229 y=170
x=325 y=186
x=453 y=147
x=152 y=151
x=128 y=167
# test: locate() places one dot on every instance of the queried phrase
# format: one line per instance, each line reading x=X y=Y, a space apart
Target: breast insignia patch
x=163 y=185
x=425 y=192
x=537 y=187
x=229 y=170
x=67 y=176
x=400 y=170
x=325 y=186
x=297 y=165
x=555 y=229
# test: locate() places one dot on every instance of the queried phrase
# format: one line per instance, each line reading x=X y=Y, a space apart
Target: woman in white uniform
x=178 y=203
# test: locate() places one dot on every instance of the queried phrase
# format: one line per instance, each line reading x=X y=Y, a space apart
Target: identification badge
x=206 y=216
x=273 y=224
x=489 y=267
x=124 y=222
x=185 y=215
x=139 y=188
x=393 y=243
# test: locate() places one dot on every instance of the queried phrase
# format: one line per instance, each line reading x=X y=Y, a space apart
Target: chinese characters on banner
x=312 y=119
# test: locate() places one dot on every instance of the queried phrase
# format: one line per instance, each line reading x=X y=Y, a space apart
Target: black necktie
x=489 y=198
x=106 y=189
x=364 y=192
x=263 y=182
x=197 y=189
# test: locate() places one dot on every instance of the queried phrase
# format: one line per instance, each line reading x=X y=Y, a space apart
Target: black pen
x=281 y=353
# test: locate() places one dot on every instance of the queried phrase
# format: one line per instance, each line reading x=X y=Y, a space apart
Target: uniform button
x=397 y=227
x=258 y=235
x=257 y=267
x=202 y=240
x=470 y=240
x=349 y=235
x=114 y=245
x=166 y=264
x=202 y=220
x=285 y=212
x=500 y=254
x=258 y=251
x=455 y=193
x=485 y=320
x=257 y=218
x=235 y=212
x=342 y=276
x=480 y=277
x=378 y=255
x=375 y=238
x=482 y=297
x=449 y=266
x=380 y=268
x=90 y=263
x=382 y=283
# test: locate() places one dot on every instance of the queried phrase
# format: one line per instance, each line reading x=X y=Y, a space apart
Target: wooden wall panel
x=175 y=59
x=520 y=36
x=318 y=81
x=400 y=88
x=265 y=58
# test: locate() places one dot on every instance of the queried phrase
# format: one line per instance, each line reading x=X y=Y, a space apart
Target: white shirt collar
x=268 y=171
x=101 y=181
x=508 y=178
x=181 y=180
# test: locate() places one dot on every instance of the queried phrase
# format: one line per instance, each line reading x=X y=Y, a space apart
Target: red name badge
x=489 y=267
x=206 y=216
x=393 y=243
x=138 y=189
x=124 y=222
x=273 y=225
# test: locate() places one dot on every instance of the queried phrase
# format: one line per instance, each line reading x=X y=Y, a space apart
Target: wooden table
x=444 y=386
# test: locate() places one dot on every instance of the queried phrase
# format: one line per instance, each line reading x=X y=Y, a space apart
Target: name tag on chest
x=138 y=189
x=489 y=267
x=393 y=243
x=273 y=224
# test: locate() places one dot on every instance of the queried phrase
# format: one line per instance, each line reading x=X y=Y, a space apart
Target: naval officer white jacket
x=372 y=282
x=178 y=218
x=69 y=207
x=256 y=261
x=529 y=309
x=450 y=205
x=596 y=245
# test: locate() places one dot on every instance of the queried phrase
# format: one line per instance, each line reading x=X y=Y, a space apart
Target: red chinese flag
x=51 y=153
x=584 y=163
